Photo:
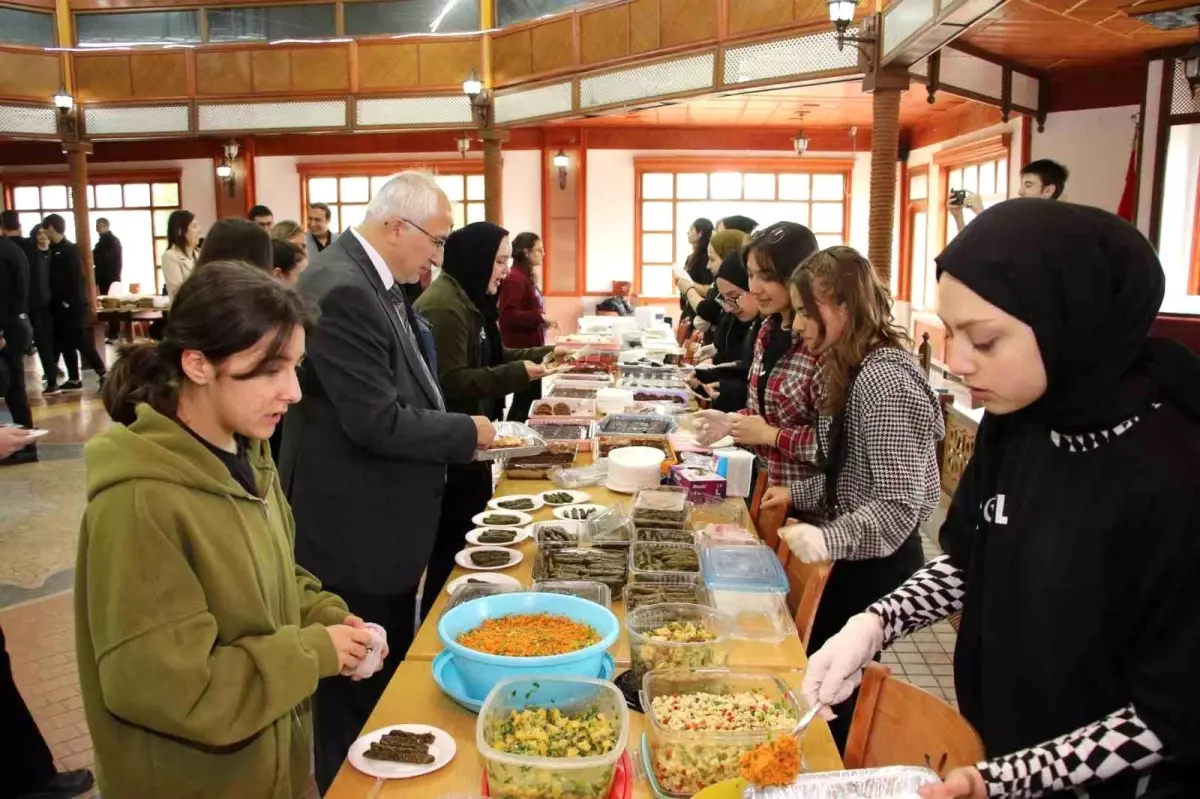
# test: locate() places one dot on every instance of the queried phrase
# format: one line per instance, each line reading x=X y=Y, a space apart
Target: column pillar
x=493 y=191
x=886 y=86
x=77 y=153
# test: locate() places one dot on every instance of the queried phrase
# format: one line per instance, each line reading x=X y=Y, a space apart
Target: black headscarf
x=469 y=257
x=1090 y=286
x=733 y=269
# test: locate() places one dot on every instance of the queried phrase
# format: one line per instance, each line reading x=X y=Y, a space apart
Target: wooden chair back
x=756 y=497
x=806 y=584
x=898 y=724
x=946 y=401
x=768 y=523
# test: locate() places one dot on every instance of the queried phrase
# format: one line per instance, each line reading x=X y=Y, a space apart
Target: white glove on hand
x=836 y=669
x=712 y=426
x=373 y=662
x=806 y=542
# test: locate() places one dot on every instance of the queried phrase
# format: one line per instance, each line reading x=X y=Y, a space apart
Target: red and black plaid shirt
x=791 y=406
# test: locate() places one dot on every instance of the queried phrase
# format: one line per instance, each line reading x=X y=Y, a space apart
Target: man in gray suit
x=365 y=452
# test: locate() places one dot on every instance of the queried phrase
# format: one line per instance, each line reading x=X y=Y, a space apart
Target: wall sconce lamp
x=68 y=119
x=561 y=161
x=481 y=100
x=841 y=14
x=225 y=168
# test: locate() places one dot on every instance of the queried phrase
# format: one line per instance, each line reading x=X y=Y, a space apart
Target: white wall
x=609 y=248
x=1094 y=146
x=1179 y=216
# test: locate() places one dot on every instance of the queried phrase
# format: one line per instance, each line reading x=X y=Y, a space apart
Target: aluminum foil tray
x=536 y=445
x=893 y=782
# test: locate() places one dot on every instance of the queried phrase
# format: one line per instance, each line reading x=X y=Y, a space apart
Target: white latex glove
x=376 y=652
x=806 y=542
x=712 y=425
x=836 y=669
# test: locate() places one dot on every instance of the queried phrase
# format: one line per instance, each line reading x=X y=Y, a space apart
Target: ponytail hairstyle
x=224 y=308
x=843 y=276
x=236 y=240
x=522 y=245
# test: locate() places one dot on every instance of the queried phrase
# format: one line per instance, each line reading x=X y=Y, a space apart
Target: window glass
x=793 y=187
x=657 y=186
x=138 y=27
x=918 y=187
x=453 y=186
x=759 y=186
x=165 y=194
x=23 y=27
x=355 y=190
x=137 y=195
x=26 y=197
x=510 y=12
x=657 y=216
x=827 y=218
x=656 y=248
x=828 y=187
x=725 y=185
x=475 y=213
x=108 y=195
x=691 y=186
x=411 y=16
x=271 y=23
x=475 y=187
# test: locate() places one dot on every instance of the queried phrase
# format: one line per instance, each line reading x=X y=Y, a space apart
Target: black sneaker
x=49 y=390
x=64 y=784
x=73 y=385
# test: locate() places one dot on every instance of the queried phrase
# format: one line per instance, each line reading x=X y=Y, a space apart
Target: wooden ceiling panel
x=511 y=56
x=391 y=65
x=1056 y=34
x=445 y=63
x=272 y=70
x=28 y=74
x=687 y=21
x=158 y=74
x=604 y=34
x=760 y=14
x=553 y=46
x=643 y=26
x=223 y=72
x=103 y=77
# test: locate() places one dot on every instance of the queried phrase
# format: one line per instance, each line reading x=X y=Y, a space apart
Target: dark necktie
x=408 y=322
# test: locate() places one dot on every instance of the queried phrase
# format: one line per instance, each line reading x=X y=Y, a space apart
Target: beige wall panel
x=511 y=56
x=448 y=63
x=387 y=66
x=643 y=26
x=32 y=75
x=102 y=77
x=553 y=46
x=158 y=74
x=759 y=14
x=320 y=69
x=271 y=70
x=225 y=72
x=604 y=34
x=687 y=21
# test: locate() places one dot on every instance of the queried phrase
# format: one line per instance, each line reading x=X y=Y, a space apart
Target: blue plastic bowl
x=480 y=671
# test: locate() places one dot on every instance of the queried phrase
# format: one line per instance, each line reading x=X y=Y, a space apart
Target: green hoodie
x=199 y=638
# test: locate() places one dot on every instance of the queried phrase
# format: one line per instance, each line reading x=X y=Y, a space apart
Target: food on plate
x=640 y=594
x=697 y=756
x=580 y=514
x=607 y=443
x=524 y=503
x=665 y=536
x=647 y=395
x=500 y=519
x=561 y=409
x=658 y=648
x=775 y=762
x=497 y=536
x=600 y=565
x=490 y=558
x=665 y=557
x=399 y=746
x=477 y=581
x=559 y=498
x=529 y=635
x=645 y=426
x=537 y=467
x=507 y=442
x=552 y=733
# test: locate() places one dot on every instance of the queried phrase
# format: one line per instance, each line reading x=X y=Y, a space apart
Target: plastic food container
x=642 y=574
x=584 y=589
x=753 y=569
x=675 y=396
x=611 y=528
x=554 y=409
x=687 y=761
x=552 y=430
x=512 y=776
x=884 y=783
x=665 y=535
x=533 y=443
x=576 y=533
x=646 y=654
x=662 y=506
x=598 y=565
x=759 y=617
x=717 y=535
x=468 y=591
x=636 y=595
x=613 y=400
x=481 y=671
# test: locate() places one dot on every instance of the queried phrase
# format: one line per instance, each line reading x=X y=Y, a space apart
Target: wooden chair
x=898 y=724
x=768 y=523
x=806 y=584
x=756 y=497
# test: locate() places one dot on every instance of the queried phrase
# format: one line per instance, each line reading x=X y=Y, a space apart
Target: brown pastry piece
x=562 y=409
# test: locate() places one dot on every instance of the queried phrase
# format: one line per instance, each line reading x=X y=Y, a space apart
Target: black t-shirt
x=237 y=463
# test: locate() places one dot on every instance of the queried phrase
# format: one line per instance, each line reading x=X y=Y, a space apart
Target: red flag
x=1125 y=208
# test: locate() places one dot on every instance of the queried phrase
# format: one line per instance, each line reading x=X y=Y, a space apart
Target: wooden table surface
x=413 y=697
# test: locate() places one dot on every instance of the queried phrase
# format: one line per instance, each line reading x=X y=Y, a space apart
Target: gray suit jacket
x=365 y=451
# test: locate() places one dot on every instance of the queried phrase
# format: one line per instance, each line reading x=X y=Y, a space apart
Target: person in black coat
x=365 y=450
x=727 y=380
x=16 y=333
x=38 y=298
x=106 y=257
x=68 y=305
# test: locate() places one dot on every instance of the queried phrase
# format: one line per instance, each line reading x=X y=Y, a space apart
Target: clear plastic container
x=743 y=568
x=636 y=595
x=563 y=408
x=664 y=535
x=468 y=591
x=637 y=424
x=679 y=621
x=512 y=776
x=575 y=534
x=597 y=565
x=645 y=574
x=663 y=506
x=718 y=535
x=611 y=528
x=713 y=511
x=688 y=761
x=584 y=589
x=755 y=615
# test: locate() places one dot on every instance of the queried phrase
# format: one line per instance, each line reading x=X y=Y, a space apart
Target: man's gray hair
x=408 y=195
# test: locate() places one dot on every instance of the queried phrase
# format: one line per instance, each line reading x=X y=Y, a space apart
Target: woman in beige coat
x=183 y=239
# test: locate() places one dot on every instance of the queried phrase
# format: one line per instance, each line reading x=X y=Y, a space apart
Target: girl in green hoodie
x=199 y=639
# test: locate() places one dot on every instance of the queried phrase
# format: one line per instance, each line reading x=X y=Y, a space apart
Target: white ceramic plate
x=522 y=518
x=463 y=558
x=536 y=499
x=522 y=534
x=576 y=497
x=562 y=513
x=442 y=749
x=495 y=578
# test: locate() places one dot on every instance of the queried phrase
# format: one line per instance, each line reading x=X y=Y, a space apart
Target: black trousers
x=523 y=400
x=341 y=706
x=73 y=341
x=43 y=339
x=852 y=586
x=468 y=489
x=14 y=398
x=28 y=762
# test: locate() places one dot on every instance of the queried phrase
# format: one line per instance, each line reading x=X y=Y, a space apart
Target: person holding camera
x=1042 y=178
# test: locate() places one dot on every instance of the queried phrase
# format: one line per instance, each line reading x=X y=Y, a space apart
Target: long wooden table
x=413 y=697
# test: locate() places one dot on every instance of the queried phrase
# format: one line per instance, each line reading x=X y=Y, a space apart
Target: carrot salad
x=529 y=635
x=773 y=763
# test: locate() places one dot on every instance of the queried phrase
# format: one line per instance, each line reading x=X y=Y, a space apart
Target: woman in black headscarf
x=1073 y=540
x=734 y=338
x=475 y=370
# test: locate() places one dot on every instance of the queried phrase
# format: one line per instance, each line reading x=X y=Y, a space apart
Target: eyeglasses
x=438 y=241
x=731 y=300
